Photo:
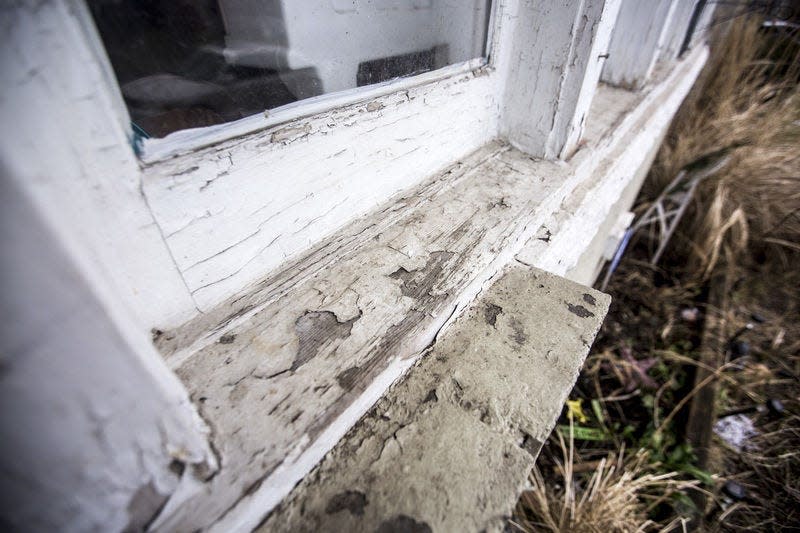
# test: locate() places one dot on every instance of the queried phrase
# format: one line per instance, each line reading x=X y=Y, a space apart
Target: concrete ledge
x=450 y=447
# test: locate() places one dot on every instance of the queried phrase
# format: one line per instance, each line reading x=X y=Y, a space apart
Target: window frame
x=187 y=140
x=152 y=150
x=396 y=134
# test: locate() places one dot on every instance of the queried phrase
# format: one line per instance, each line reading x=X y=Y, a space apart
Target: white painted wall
x=91 y=416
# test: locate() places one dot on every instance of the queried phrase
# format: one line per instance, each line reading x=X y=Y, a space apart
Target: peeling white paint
x=480 y=219
x=189 y=140
x=240 y=209
x=676 y=33
x=90 y=430
x=250 y=511
x=92 y=417
x=326 y=207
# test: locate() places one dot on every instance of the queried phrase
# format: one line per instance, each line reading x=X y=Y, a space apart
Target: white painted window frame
x=188 y=140
x=234 y=202
x=322 y=162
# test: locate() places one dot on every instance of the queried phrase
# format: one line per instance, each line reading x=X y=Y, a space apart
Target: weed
x=614 y=497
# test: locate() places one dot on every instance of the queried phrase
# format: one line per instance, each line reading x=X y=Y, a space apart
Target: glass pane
x=191 y=63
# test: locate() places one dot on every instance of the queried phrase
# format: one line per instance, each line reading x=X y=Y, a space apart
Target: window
x=193 y=63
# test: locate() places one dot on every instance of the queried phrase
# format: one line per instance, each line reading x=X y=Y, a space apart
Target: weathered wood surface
x=243 y=207
x=284 y=370
x=641 y=32
x=553 y=64
x=233 y=211
x=595 y=60
x=450 y=447
x=281 y=385
x=702 y=412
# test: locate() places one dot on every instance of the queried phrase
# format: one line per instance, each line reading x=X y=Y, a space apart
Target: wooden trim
x=641 y=31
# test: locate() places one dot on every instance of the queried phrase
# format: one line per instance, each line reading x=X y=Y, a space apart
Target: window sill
x=284 y=370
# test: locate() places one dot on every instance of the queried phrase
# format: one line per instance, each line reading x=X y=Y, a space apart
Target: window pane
x=192 y=63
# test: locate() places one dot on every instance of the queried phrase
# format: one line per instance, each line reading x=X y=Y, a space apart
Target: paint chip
x=579 y=310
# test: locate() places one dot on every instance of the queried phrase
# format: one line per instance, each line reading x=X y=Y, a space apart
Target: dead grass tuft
x=616 y=497
x=770 y=473
x=747 y=107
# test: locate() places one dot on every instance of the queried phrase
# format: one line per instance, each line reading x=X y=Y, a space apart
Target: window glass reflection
x=191 y=63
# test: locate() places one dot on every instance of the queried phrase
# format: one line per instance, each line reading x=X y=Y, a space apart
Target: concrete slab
x=450 y=447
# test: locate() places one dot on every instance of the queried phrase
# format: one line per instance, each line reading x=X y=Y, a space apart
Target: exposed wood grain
x=641 y=32
x=232 y=212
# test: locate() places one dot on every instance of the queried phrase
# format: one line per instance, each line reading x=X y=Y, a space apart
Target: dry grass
x=769 y=469
x=770 y=472
x=744 y=221
x=616 y=497
x=747 y=105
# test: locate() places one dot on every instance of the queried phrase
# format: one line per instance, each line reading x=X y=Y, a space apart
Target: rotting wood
x=703 y=406
x=272 y=425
